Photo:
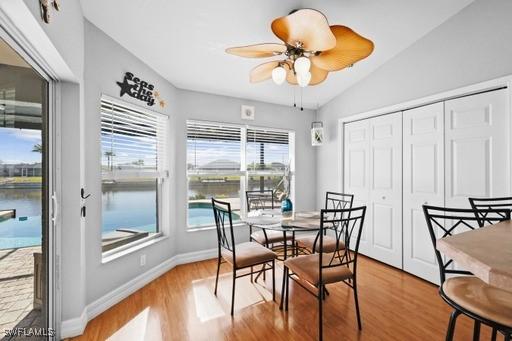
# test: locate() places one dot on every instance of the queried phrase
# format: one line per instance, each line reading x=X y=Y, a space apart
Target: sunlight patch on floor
x=208 y=306
x=143 y=327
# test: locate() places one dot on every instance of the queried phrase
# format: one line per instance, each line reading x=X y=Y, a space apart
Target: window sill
x=212 y=227
x=106 y=258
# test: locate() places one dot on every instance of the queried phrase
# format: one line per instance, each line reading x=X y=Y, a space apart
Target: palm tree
x=38 y=148
x=110 y=155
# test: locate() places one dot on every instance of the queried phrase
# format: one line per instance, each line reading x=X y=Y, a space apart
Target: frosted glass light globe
x=304 y=79
x=302 y=65
x=279 y=75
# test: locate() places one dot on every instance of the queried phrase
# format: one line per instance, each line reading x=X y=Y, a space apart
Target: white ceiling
x=184 y=41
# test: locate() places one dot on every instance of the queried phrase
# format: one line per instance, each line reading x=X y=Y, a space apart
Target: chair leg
x=451 y=325
x=287 y=288
x=252 y=270
x=217 y=277
x=356 y=300
x=233 y=293
x=321 y=294
x=264 y=269
x=506 y=337
x=283 y=289
x=273 y=280
x=494 y=334
x=476 y=331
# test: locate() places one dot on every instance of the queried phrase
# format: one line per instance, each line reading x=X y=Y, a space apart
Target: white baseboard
x=76 y=326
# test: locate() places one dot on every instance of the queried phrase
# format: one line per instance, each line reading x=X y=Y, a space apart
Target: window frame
x=244 y=173
x=161 y=177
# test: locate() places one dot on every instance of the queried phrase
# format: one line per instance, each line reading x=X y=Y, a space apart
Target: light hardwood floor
x=180 y=305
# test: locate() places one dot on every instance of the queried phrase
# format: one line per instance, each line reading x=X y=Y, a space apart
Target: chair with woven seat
x=313 y=272
x=309 y=243
x=480 y=204
x=262 y=200
x=468 y=294
x=239 y=256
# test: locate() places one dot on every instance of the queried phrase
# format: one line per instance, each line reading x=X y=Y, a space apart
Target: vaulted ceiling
x=184 y=41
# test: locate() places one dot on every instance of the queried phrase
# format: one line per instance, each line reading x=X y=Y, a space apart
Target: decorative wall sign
x=247 y=112
x=45 y=8
x=139 y=89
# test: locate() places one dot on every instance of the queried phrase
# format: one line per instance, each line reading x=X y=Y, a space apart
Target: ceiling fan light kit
x=279 y=75
x=311 y=49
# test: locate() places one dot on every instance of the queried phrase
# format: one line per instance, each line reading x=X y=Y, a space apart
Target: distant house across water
x=20 y=169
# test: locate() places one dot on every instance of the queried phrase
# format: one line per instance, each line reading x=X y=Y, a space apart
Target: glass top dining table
x=273 y=219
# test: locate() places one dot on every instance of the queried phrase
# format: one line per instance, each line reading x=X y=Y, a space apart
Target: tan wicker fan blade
x=258 y=50
x=263 y=72
x=350 y=48
x=306 y=26
x=317 y=76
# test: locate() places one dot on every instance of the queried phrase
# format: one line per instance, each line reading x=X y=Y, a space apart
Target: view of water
x=25 y=229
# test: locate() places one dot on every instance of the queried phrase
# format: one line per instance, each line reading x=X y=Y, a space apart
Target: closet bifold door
x=356 y=171
x=423 y=183
x=477 y=132
x=373 y=173
x=385 y=208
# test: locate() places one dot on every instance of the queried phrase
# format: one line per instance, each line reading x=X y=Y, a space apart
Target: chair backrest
x=480 y=204
x=338 y=201
x=259 y=200
x=450 y=221
x=351 y=221
x=224 y=224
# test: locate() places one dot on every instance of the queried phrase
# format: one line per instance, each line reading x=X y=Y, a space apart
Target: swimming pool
x=201 y=214
x=20 y=232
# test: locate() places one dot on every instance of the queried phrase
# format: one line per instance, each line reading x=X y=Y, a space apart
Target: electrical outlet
x=142 y=260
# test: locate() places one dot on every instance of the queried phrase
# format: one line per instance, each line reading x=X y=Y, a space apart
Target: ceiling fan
x=311 y=49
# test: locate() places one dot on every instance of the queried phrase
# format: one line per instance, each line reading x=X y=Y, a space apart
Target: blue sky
x=16 y=145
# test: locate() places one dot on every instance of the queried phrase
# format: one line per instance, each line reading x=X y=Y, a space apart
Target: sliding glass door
x=24 y=192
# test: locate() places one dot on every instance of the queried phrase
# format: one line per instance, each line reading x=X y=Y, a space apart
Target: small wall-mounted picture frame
x=247 y=112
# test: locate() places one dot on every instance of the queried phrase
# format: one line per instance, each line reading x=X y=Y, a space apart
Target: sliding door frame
x=51 y=137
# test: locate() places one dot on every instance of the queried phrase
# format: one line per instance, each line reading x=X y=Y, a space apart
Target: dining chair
x=309 y=243
x=313 y=272
x=468 y=294
x=480 y=204
x=261 y=200
x=240 y=256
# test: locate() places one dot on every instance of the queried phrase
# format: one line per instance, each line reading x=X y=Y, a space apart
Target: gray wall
x=471 y=47
x=105 y=64
x=201 y=106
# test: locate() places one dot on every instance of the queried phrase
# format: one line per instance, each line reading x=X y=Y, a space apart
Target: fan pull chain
x=301 y=107
x=294 y=100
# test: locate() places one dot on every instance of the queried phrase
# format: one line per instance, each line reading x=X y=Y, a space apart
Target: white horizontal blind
x=267 y=150
x=213 y=148
x=133 y=141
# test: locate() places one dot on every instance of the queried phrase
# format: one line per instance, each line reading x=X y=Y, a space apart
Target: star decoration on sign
x=125 y=87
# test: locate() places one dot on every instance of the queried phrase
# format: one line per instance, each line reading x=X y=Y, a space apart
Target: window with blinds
x=134 y=168
x=132 y=141
x=226 y=160
x=213 y=148
x=267 y=150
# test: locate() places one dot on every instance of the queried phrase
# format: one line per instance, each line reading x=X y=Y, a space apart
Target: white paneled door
x=373 y=173
x=357 y=170
x=477 y=132
x=423 y=183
